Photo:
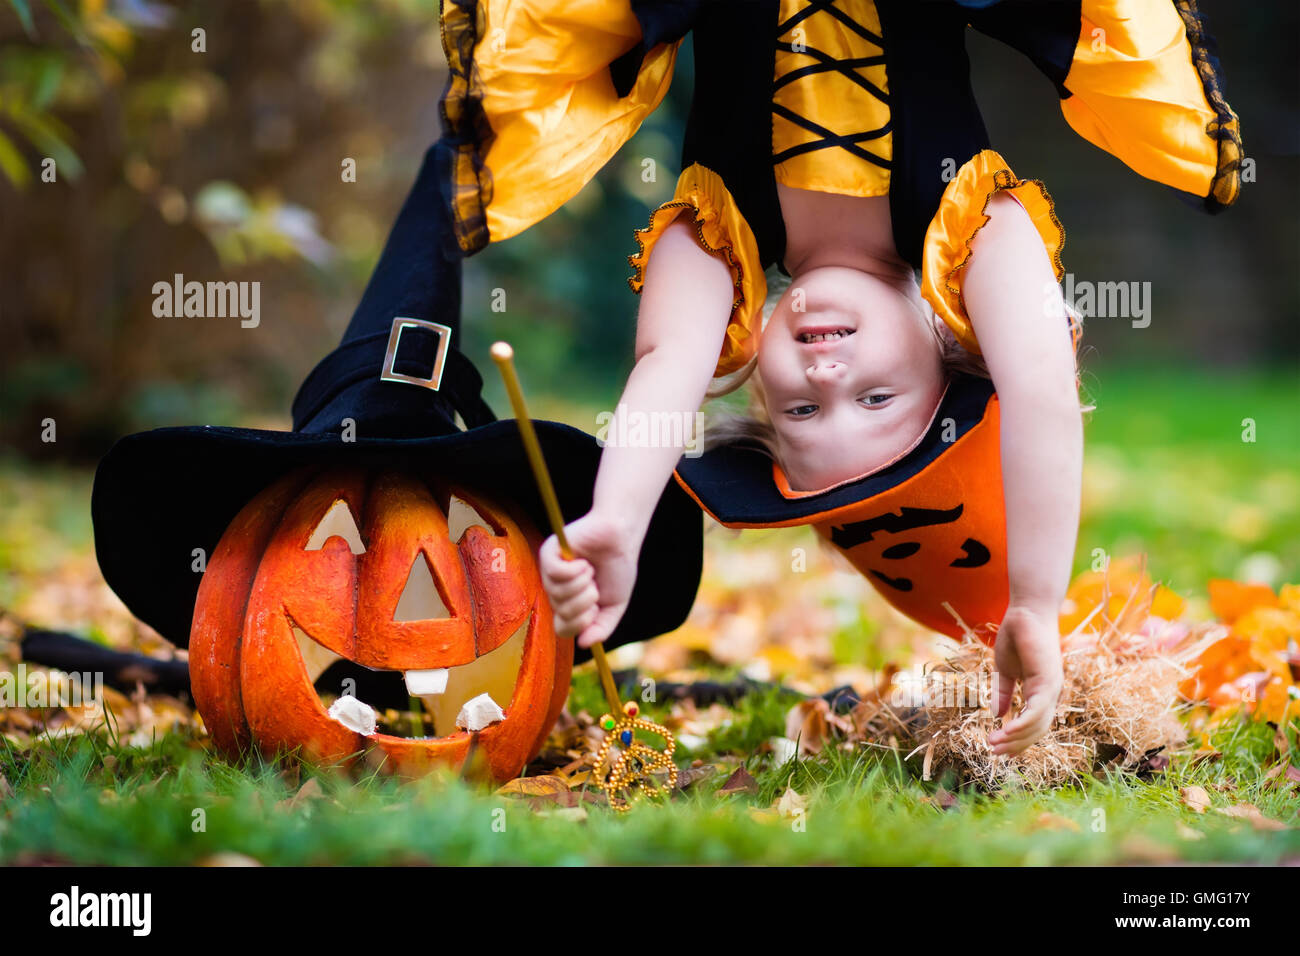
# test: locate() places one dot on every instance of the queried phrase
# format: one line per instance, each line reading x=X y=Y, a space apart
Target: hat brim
x=159 y=495
x=735 y=484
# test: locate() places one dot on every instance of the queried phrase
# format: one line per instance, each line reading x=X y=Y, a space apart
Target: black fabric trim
x=159 y=494
x=467 y=135
x=361 y=360
x=1046 y=31
x=662 y=21
x=847 y=142
x=817 y=6
x=729 y=129
x=735 y=483
x=935 y=118
x=1226 y=129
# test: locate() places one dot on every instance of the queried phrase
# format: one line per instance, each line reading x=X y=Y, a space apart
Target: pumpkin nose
x=420 y=600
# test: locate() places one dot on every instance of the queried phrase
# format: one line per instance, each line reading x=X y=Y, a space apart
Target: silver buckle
x=390 y=356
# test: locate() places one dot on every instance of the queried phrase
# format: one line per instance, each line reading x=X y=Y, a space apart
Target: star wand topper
x=631 y=772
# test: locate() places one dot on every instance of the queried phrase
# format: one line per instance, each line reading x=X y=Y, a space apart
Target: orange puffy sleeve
x=961 y=215
x=721 y=231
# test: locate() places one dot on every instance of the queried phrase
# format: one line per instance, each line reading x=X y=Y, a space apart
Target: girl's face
x=851 y=374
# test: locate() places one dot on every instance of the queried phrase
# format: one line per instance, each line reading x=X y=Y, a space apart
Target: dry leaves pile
x=1120 y=703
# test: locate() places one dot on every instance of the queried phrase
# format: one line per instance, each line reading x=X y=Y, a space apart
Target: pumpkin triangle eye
x=337 y=523
x=420 y=600
x=461 y=516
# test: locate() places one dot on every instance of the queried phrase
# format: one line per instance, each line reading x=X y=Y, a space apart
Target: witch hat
x=392 y=388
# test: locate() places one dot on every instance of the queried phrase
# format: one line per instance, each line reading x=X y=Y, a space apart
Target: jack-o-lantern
x=436 y=587
x=388 y=541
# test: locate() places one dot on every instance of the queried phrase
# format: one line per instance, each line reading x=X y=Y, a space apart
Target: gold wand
x=622 y=718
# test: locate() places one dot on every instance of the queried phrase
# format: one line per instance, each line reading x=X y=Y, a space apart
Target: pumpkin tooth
x=419 y=683
x=479 y=712
x=495 y=673
x=354 y=715
x=315 y=657
x=461 y=516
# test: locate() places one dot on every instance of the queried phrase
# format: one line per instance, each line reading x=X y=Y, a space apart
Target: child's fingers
x=1025 y=728
x=570 y=627
x=555 y=566
x=603 y=626
x=1006 y=687
x=561 y=591
x=577 y=604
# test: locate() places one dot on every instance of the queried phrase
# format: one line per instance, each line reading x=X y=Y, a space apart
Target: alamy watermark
x=1100 y=300
x=208 y=300
x=623 y=429
x=38 y=688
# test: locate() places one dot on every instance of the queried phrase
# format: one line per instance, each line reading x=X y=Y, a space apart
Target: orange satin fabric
x=843 y=105
x=961 y=215
x=720 y=230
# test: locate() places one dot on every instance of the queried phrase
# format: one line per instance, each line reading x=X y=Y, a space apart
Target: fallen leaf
x=1143 y=849
x=739 y=782
x=811 y=721
x=1251 y=814
x=1053 y=821
x=533 y=786
x=311 y=790
x=689 y=775
x=575 y=814
x=1195 y=798
x=6 y=791
x=791 y=804
x=1280 y=742
x=946 y=799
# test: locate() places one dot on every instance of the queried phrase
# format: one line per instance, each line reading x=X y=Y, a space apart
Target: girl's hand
x=1028 y=649
x=589 y=593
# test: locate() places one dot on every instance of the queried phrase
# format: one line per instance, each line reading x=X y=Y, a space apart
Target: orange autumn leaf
x=1124 y=586
x=1229 y=600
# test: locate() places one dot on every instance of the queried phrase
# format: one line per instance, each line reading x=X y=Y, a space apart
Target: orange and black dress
x=856 y=97
x=859 y=97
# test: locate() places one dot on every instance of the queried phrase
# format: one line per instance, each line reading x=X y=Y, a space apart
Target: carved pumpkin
x=397 y=575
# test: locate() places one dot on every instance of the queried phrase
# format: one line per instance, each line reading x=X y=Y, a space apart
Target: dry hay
x=1119 y=703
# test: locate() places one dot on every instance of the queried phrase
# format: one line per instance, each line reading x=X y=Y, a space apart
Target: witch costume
x=387 y=397
x=855 y=97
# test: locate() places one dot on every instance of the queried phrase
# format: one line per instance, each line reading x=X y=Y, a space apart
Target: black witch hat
x=393 y=388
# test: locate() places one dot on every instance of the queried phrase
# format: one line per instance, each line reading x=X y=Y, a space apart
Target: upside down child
x=822 y=142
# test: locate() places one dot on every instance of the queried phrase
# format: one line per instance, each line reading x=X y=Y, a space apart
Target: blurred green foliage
x=225 y=164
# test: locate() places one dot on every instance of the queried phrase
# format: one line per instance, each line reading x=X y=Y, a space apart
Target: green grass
x=73 y=805
x=1166 y=472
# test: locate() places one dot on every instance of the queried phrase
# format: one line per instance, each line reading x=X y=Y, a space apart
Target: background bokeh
x=225 y=165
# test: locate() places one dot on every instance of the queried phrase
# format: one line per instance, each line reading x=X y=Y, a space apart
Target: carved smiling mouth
x=451 y=697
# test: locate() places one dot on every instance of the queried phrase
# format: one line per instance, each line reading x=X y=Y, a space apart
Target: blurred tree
x=214 y=140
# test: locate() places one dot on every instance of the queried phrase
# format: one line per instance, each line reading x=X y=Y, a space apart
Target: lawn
x=1167 y=473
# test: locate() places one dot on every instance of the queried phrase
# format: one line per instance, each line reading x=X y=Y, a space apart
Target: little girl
x=842 y=167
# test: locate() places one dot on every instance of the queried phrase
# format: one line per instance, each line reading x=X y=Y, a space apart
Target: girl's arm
x=1007 y=289
x=685 y=306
